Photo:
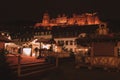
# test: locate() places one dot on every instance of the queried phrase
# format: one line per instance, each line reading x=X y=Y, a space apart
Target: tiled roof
x=4 y=39
x=104 y=38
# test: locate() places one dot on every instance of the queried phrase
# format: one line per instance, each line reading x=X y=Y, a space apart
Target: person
x=83 y=57
x=72 y=54
x=36 y=51
x=19 y=50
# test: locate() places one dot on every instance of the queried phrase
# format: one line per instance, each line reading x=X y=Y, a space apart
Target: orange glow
x=83 y=19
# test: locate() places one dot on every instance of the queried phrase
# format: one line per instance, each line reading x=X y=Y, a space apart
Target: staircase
x=31 y=69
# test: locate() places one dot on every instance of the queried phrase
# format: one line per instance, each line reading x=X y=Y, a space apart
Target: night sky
x=32 y=10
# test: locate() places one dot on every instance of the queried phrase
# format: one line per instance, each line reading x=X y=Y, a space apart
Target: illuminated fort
x=64 y=20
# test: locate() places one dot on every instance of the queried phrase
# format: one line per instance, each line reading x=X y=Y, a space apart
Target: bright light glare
x=46 y=46
x=27 y=51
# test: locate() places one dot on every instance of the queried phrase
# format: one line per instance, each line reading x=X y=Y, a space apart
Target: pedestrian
x=20 y=50
x=36 y=51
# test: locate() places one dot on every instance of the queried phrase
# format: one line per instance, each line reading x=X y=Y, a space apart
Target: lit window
x=2 y=33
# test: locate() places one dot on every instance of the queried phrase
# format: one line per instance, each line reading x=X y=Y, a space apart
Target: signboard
x=103 y=48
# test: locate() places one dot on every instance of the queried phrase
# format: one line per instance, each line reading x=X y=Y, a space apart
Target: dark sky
x=32 y=10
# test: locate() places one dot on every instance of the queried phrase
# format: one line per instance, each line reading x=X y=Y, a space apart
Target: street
x=67 y=71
